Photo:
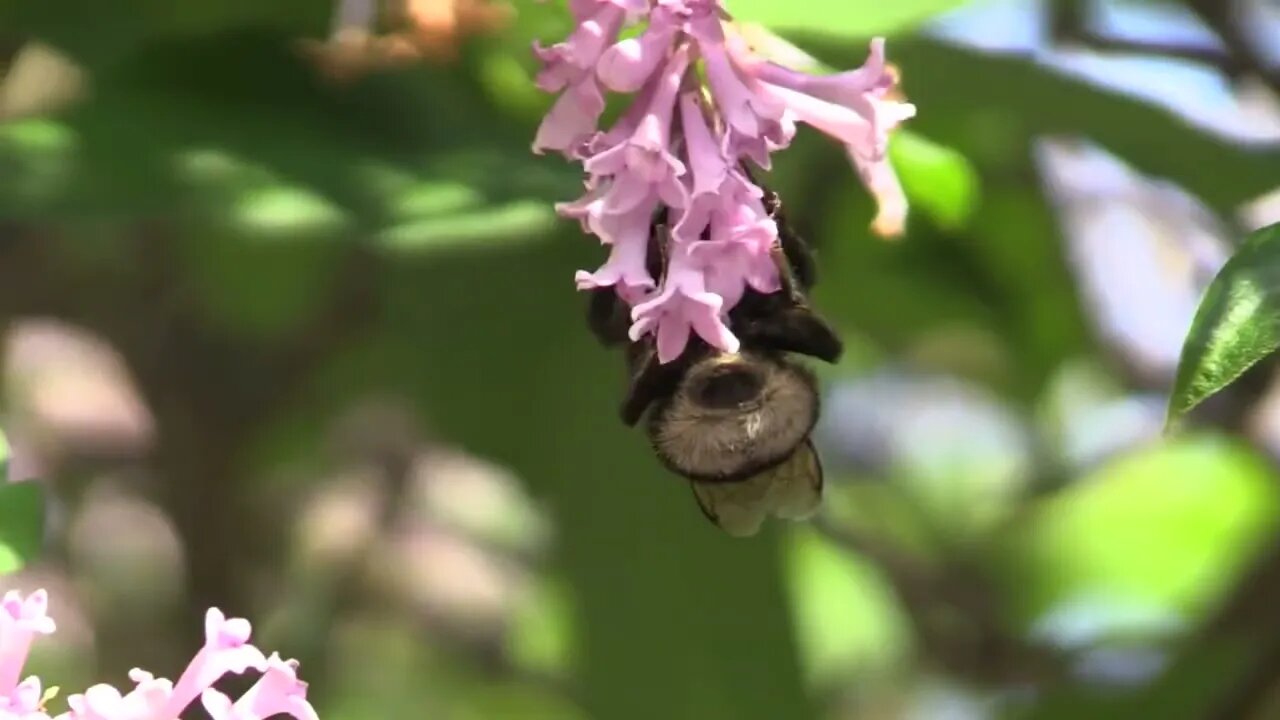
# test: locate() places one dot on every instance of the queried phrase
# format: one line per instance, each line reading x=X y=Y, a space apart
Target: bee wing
x=797 y=493
x=738 y=508
x=791 y=490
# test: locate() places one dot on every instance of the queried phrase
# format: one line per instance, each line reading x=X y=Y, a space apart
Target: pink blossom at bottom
x=226 y=650
x=278 y=692
x=21 y=619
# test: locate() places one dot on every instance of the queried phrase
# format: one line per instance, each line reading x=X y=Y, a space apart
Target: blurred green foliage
x=21 y=520
x=214 y=181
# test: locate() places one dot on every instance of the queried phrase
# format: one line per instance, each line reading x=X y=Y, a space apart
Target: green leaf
x=21 y=524
x=1169 y=527
x=542 y=634
x=1237 y=325
x=849 y=18
x=937 y=179
x=37 y=161
x=845 y=614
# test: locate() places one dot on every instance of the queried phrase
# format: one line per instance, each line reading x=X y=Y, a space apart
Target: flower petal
x=277 y=692
x=891 y=201
x=572 y=119
x=21 y=619
x=226 y=650
x=707 y=162
x=626 y=65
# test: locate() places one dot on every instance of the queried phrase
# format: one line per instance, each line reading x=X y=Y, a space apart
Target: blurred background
x=290 y=330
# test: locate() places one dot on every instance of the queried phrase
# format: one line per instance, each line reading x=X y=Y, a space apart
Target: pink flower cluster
x=679 y=148
x=226 y=650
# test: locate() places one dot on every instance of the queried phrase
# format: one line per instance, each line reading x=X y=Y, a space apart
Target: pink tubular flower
x=627 y=65
x=680 y=150
x=626 y=269
x=570 y=61
x=643 y=165
x=853 y=108
x=226 y=650
x=20 y=621
x=682 y=305
x=25 y=701
x=571 y=66
x=572 y=119
x=278 y=692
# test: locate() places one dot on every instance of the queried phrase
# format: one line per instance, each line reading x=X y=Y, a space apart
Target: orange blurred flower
x=430 y=30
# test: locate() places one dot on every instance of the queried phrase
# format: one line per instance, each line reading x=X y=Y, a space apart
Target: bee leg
x=650 y=379
x=797 y=252
x=607 y=316
x=796 y=329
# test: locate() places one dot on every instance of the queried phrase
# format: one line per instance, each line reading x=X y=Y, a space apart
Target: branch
x=955 y=613
x=1248 y=615
x=1227 y=19
x=1229 y=65
x=1068 y=24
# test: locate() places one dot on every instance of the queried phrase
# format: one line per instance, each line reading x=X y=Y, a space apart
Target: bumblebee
x=735 y=425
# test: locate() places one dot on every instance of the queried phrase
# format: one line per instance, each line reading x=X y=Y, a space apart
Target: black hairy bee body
x=735 y=425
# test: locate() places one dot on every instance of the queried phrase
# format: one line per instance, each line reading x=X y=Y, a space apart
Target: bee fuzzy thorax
x=734 y=414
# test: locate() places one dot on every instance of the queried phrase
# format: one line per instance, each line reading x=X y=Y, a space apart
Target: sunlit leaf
x=1237 y=325
x=21 y=523
x=938 y=180
x=1169 y=526
x=848 y=18
x=36 y=165
x=541 y=637
x=519 y=221
x=846 y=616
x=285 y=211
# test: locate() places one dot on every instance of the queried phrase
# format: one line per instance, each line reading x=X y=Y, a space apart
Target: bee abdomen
x=734 y=416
